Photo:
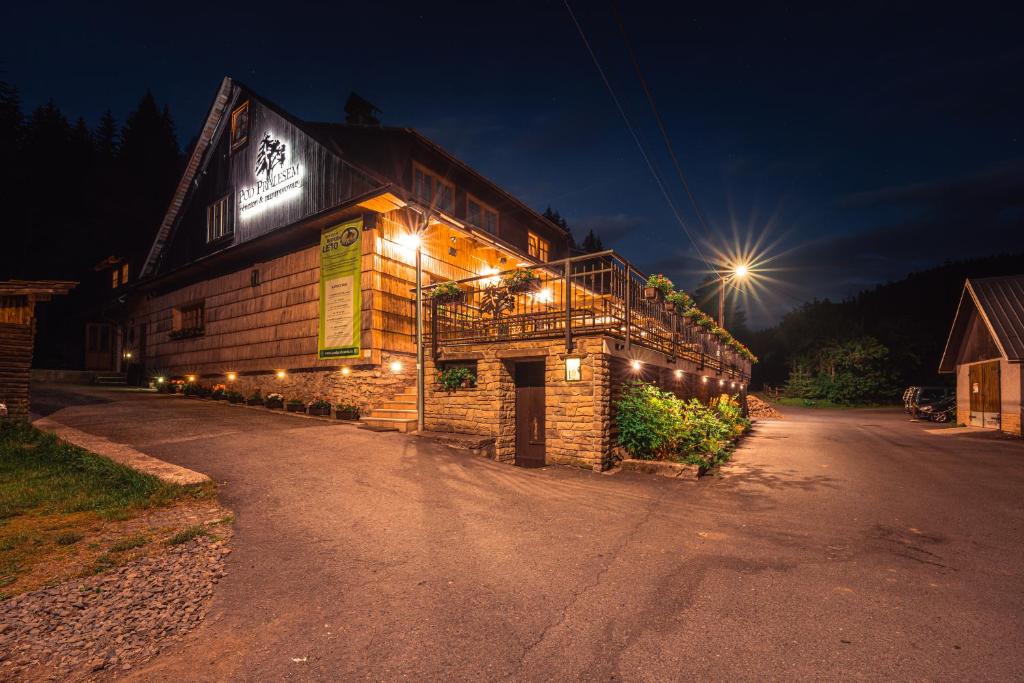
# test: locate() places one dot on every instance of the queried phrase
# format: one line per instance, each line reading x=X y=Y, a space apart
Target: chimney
x=360 y=112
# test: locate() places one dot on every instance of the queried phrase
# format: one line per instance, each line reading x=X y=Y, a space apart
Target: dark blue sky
x=858 y=143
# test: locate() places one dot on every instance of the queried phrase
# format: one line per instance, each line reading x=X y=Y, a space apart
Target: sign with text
x=341 y=290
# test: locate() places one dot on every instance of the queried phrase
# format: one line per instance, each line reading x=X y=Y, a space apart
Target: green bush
x=656 y=425
x=455 y=378
x=649 y=421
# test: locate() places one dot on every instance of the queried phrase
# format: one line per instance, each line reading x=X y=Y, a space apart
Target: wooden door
x=985 y=400
x=530 y=406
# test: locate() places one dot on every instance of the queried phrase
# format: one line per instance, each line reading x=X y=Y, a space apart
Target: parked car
x=929 y=396
x=940 y=411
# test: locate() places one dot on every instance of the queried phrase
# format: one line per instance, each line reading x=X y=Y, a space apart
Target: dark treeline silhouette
x=910 y=318
x=74 y=195
x=591 y=243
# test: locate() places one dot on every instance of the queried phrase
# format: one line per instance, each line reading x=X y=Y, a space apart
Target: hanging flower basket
x=447 y=293
x=522 y=281
x=652 y=293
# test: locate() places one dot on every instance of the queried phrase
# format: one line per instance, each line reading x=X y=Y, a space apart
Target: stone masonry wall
x=576 y=420
x=364 y=386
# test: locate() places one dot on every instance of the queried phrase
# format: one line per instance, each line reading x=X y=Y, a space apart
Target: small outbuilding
x=985 y=350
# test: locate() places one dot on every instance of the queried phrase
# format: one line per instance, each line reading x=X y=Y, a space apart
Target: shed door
x=985 y=403
x=530 y=414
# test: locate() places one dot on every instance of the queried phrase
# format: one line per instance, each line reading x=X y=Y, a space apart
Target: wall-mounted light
x=704 y=380
x=346 y=371
x=544 y=296
x=741 y=386
x=636 y=365
x=128 y=354
x=721 y=382
x=281 y=374
x=159 y=380
x=733 y=385
x=232 y=376
x=572 y=370
x=679 y=374
x=396 y=366
x=191 y=378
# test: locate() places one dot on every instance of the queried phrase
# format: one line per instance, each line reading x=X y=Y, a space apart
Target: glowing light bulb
x=346 y=371
x=635 y=365
x=232 y=376
x=281 y=374
x=396 y=366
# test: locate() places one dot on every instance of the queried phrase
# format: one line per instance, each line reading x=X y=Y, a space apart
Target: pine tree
x=106 y=138
x=592 y=243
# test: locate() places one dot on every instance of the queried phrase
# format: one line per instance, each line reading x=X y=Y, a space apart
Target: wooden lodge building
x=287 y=262
x=985 y=349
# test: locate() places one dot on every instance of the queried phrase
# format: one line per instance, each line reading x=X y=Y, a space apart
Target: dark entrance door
x=530 y=414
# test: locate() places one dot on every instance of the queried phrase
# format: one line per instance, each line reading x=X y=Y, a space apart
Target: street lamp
x=412 y=240
x=738 y=272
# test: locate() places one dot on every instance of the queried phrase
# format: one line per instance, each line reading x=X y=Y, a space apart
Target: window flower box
x=186 y=333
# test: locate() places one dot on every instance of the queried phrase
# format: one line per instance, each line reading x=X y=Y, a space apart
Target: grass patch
x=129 y=543
x=824 y=403
x=57 y=498
x=44 y=475
x=186 y=535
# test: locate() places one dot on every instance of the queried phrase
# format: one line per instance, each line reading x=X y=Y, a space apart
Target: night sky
x=852 y=144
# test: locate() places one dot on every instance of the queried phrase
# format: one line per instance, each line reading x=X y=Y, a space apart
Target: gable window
x=124 y=274
x=240 y=126
x=481 y=215
x=537 y=247
x=430 y=188
x=119 y=276
x=217 y=223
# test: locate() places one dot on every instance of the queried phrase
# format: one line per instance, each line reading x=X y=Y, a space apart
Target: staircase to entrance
x=397 y=414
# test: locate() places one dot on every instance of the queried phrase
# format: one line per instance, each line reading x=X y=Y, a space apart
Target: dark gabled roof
x=334 y=135
x=1000 y=303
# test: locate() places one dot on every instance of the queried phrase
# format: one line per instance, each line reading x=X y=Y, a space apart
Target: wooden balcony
x=596 y=294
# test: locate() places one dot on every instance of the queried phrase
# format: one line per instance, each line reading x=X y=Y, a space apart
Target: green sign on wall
x=340 y=290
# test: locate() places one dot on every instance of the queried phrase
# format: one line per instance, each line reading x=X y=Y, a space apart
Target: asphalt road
x=840 y=544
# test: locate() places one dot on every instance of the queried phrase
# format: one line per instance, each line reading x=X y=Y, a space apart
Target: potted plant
x=678 y=302
x=255 y=399
x=320 y=407
x=346 y=411
x=274 y=401
x=203 y=391
x=456 y=378
x=657 y=287
x=521 y=281
x=447 y=293
x=234 y=396
x=190 y=389
x=219 y=392
x=294 y=405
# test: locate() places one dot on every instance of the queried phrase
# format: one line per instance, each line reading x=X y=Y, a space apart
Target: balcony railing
x=584 y=295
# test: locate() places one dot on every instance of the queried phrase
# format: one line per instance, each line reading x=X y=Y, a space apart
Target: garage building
x=985 y=349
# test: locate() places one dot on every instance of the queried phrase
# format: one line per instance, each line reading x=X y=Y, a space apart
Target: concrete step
x=111 y=379
x=397 y=424
x=398 y=405
x=405 y=396
x=387 y=412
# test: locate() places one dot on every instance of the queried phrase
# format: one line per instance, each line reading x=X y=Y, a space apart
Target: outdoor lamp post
x=737 y=273
x=414 y=241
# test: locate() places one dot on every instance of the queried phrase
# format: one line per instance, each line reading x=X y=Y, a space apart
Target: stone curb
x=276 y=411
x=675 y=470
x=125 y=455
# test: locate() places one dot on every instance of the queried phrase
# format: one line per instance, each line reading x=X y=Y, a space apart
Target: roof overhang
x=968 y=300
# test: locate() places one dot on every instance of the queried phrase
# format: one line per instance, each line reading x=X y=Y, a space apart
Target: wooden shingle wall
x=17 y=328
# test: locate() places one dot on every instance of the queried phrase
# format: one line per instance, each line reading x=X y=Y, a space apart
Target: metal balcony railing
x=584 y=295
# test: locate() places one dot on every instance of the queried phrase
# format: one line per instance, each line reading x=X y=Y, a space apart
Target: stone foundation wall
x=364 y=386
x=579 y=420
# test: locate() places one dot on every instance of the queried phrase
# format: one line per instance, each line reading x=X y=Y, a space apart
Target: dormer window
x=481 y=215
x=217 y=221
x=431 y=189
x=119 y=276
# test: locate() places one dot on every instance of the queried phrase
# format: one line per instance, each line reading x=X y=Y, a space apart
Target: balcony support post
x=629 y=303
x=567 y=295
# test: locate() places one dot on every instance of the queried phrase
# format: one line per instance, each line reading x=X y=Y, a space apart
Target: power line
x=657 y=117
x=636 y=139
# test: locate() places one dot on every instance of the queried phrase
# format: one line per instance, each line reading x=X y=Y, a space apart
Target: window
x=124 y=274
x=537 y=247
x=431 y=189
x=481 y=215
x=240 y=126
x=217 y=224
x=115 y=278
x=190 y=317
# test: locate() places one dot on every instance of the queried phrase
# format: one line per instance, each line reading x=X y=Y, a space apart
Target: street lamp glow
x=409 y=240
x=635 y=365
x=740 y=271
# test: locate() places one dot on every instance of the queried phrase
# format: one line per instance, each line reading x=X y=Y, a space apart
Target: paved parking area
x=840 y=544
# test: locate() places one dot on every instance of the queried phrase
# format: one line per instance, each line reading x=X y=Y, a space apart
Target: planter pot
x=254 y=401
x=450 y=299
x=235 y=400
x=273 y=405
x=347 y=414
x=296 y=407
x=321 y=412
x=652 y=293
x=669 y=307
x=219 y=398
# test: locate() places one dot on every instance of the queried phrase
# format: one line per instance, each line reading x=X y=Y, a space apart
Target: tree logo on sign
x=271 y=154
